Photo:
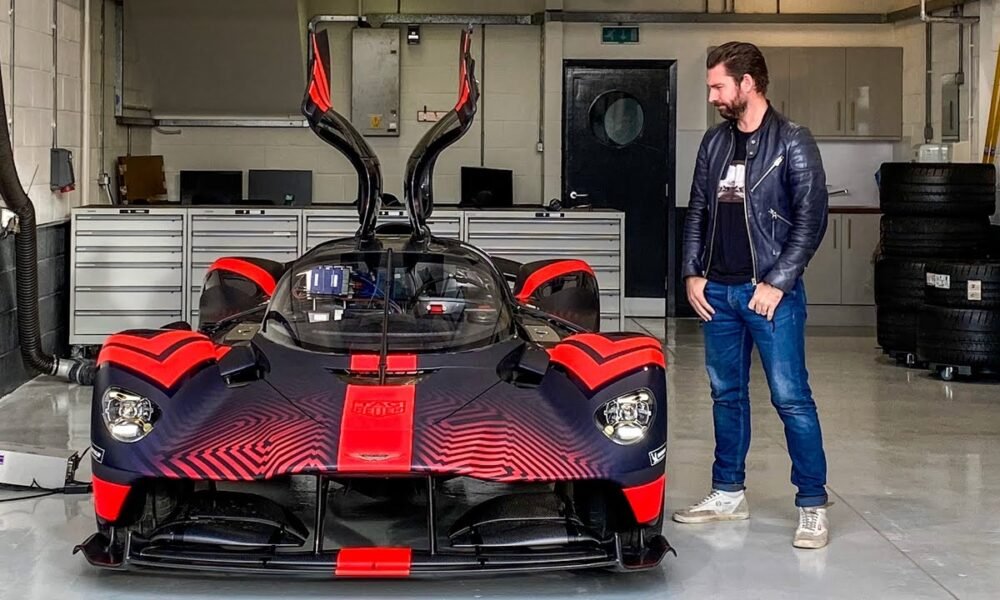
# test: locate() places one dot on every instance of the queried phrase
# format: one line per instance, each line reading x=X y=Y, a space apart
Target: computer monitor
x=211 y=187
x=280 y=187
x=487 y=188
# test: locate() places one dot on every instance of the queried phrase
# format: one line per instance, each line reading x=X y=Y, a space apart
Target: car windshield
x=423 y=301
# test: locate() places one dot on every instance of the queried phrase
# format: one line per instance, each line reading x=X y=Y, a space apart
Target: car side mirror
x=239 y=365
x=534 y=360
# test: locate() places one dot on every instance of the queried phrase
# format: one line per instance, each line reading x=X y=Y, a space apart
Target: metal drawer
x=565 y=242
x=129 y=223
x=262 y=240
x=544 y=226
x=610 y=302
x=610 y=324
x=128 y=239
x=241 y=220
x=202 y=257
x=104 y=324
x=131 y=256
x=130 y=275
x=104 y=300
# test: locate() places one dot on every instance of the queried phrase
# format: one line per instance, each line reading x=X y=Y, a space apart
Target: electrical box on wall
x=61 y=178
x=375 y=81
x=951 y=123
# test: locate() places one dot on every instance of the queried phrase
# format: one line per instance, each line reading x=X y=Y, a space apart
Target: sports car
x=392 y=404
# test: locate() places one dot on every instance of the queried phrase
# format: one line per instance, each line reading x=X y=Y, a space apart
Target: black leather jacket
x=786 y=199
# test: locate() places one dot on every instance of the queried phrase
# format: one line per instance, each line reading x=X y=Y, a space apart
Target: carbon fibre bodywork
x=229 y=411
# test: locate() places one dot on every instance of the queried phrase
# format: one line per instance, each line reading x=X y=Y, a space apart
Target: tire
x=937 y=189
x=919 y=237
x=959 y=337
x=899 y=282
x=956 y=275
x=897 y=329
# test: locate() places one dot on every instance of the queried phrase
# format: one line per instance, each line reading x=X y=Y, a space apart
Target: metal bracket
x=9 y=223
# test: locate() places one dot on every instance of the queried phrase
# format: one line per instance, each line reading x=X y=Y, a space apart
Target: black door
x=618 y=152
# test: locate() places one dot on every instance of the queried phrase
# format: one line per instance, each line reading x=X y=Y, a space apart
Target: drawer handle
x=130 y=289
x=136 y=265
x=113 y=313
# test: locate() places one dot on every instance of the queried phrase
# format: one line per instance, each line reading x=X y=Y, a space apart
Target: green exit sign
x=618 y=34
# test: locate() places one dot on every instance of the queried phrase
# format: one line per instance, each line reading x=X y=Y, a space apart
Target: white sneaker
x=813 y=530
x=717 y=506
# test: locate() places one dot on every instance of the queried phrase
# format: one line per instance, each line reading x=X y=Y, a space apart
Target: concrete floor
x=914 y=474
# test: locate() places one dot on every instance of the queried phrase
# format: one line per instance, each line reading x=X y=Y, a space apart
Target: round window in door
x=616 y=118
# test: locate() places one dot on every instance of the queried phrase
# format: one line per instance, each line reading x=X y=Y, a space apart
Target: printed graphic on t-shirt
x=732 y=188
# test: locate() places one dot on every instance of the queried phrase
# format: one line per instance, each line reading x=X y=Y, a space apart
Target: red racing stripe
x=464 y=89
x=550 y=272
x=376 y=431
x=319 y=87
x=249 y=270
x=153 y=345
x=594 y=374
x=606 y=347
x=109 y=498
x=395 y=363
x=647 y=500
x=167 y=371
x=373 y=562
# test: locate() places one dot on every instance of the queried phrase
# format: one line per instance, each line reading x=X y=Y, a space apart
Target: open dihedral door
x=418 y=182
x=564 y=288
x=337 y=131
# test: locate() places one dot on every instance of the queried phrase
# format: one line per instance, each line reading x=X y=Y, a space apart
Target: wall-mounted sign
x=619 y=34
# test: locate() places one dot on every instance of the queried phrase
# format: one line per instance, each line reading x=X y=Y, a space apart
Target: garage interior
x=155 y=137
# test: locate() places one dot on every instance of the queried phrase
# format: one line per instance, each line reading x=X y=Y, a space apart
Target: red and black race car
x=388 y=405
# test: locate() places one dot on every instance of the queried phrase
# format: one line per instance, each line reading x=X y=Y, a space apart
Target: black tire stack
x=960 y=320
x=932 y=212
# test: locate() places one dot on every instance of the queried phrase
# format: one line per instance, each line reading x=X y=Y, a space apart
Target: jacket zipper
x=746 y=219
x=777 y=163
x=715 y=223
x=774 y=218
x=776 y=215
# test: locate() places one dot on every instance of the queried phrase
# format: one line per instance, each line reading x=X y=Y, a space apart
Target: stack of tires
x=960 y=321
x=932 y=212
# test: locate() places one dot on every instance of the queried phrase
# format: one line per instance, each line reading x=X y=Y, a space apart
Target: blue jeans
x=729 y=338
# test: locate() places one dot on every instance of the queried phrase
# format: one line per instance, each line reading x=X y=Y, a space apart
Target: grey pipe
x=26 y=260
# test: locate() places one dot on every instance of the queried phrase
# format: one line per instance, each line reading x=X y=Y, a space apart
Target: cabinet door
x=874 y=92
x=778 y=72
x=822 y=276
x=861 y=236
x=816 y=91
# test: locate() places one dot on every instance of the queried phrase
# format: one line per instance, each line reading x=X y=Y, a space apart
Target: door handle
x=834 y=234
x=574 y=195
x=853 y=116
x=848 y=233
x=838 y=116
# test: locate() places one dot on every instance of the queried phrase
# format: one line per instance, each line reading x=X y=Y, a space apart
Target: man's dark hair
x=741 y=58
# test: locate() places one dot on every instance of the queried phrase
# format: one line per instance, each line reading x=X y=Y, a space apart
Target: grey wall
x=53 y=291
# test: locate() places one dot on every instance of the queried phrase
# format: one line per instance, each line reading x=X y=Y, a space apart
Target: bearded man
x=757 y=213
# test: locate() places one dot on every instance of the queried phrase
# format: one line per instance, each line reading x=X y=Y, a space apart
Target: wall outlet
x=431 y=116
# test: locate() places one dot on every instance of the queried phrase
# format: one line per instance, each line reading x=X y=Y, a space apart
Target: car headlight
x=128 y=417
x=626 y=419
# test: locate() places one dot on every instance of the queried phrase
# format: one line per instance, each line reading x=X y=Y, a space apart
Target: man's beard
x=735 y=109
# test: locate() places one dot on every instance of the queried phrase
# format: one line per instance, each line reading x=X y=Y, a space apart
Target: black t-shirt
x=731 y=261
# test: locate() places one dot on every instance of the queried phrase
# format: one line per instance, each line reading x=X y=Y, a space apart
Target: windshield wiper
x=383 y=354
